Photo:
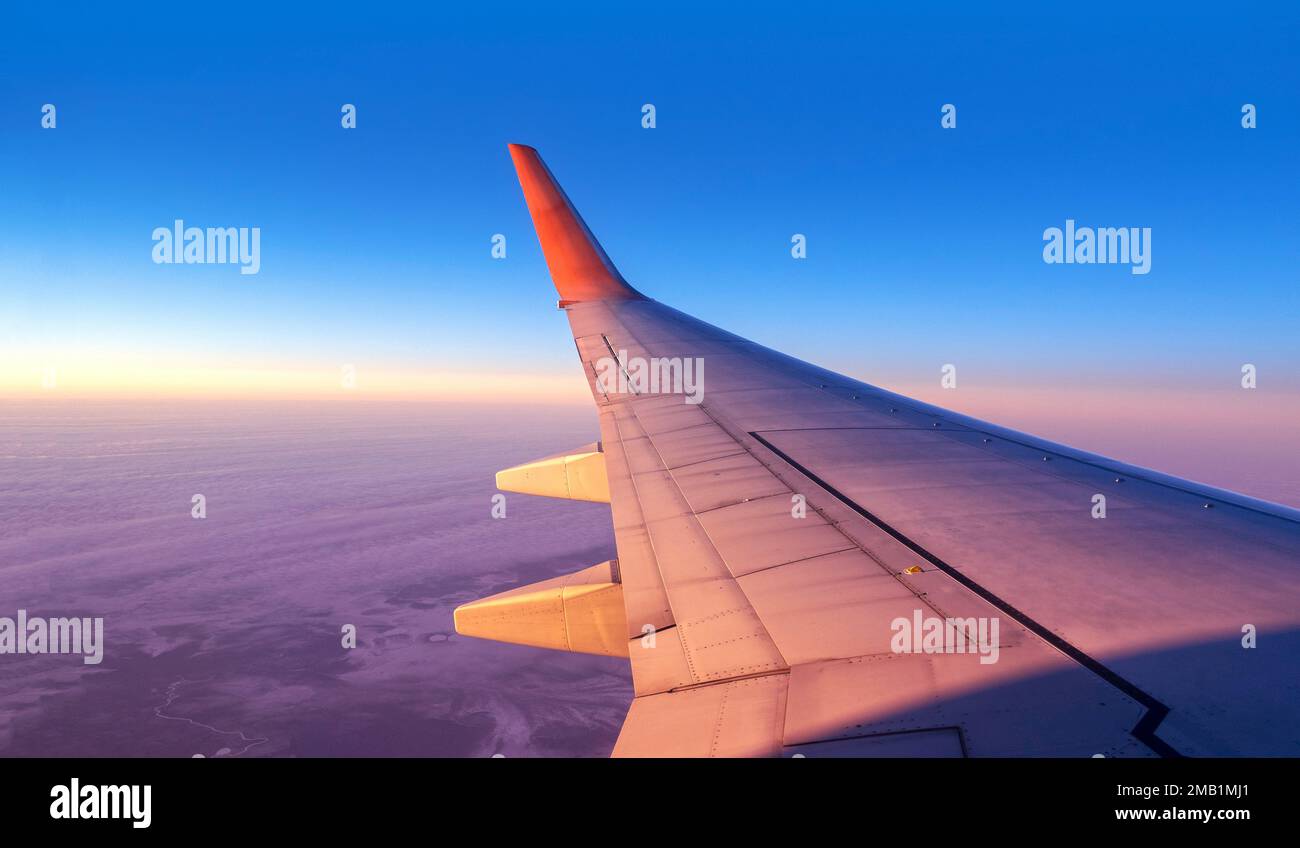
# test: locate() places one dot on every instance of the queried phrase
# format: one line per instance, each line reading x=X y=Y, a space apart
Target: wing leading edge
x=773 y=535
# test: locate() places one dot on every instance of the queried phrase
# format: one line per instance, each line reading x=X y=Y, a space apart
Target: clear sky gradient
x=924 y=244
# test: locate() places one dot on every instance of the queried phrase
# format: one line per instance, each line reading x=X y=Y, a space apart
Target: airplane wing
x=811 y=565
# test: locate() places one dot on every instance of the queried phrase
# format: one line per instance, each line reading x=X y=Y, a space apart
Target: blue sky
x=924 y=244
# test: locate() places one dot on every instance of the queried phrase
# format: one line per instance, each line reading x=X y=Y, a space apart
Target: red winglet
x=579 y=267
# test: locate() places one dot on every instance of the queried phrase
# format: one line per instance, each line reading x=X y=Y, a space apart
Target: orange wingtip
x=579 y=267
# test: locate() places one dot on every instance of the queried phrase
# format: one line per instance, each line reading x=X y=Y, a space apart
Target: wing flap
x=738 y=718
x=1040 y=704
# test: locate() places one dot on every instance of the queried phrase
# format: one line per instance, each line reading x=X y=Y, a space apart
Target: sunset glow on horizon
x=128 y=377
